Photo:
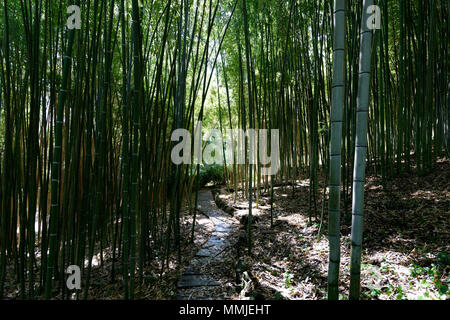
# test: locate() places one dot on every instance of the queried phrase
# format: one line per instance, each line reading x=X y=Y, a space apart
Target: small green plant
x=371 y=294
x=400 y=294
x=278 y=296
x=347 y=241
x=211 y=174
x=431 y=275
x=365 y=266
x=389 y=290
x=342 y=296
x=287 y=279
x=443 y=259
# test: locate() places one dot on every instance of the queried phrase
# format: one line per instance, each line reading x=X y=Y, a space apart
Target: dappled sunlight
x=224 y=149
x=292 y=261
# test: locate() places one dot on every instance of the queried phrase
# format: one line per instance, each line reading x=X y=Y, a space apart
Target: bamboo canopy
x=87 y=115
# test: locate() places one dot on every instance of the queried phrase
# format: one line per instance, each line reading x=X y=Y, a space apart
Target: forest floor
x=153 y=285
x=406 y=247
x=199 y=280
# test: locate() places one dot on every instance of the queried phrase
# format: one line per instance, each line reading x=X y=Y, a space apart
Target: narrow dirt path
x=198 y=281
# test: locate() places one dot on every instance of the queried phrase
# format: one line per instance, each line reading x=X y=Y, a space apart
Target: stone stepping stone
x=219 y=221
x=222 y=228
x=190 y=281
x=214 y=251
x=204 y=253
x=219 y=236
x=191 y=271
x=215 y=243
x=211 y=251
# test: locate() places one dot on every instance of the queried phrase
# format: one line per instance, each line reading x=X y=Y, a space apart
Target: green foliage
x=373 y=293
x=400 y=293
x=278 y=296
x=213 y=174
x=288 y=279
x=101 y=123
x=430 y=275
x=443 y=259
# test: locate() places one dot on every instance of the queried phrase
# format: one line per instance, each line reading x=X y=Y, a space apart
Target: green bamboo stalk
x=360 y=151
x=336 y=118
x=54 y=211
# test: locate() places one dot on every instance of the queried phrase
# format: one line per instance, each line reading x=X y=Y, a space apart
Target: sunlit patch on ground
x=405 y=250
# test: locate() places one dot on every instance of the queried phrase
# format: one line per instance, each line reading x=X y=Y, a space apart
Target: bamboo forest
x=224 y=150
